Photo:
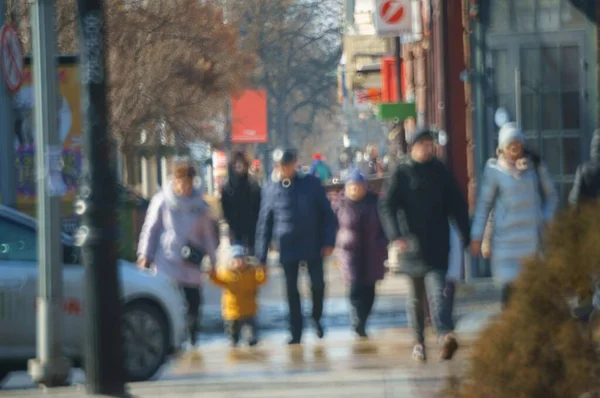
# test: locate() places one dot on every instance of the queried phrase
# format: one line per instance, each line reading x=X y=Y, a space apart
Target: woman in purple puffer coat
x=361 y=247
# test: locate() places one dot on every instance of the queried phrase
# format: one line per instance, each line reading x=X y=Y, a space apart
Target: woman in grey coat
x=523 y=199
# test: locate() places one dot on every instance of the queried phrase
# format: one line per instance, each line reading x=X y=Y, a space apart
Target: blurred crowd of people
x=418 y=225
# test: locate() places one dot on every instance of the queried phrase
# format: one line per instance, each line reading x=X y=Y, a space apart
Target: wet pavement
x=338 y=366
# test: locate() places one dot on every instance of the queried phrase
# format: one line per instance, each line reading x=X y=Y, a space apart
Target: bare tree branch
x=171 y=63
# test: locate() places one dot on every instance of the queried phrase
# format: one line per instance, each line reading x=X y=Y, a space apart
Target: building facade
x=538 y=60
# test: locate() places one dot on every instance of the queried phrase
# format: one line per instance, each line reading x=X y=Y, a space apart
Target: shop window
x=549 y=57
x=571 y=154
x=570 y=110
x=570 y=66
x=551 y=111
x=551 y=154
x=529 y=111
x=532 y=142
x=501 y=76
x=572 y=13
x=524 y=15
x=500 y=16
x=530 y=68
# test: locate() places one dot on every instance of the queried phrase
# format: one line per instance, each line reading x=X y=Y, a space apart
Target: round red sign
x=11 y=58
x=391 y=11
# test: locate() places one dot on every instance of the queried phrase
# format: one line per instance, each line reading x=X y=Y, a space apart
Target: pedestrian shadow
x=296 y=355
x=364 y=348
x=191 y=360
x=243 y=354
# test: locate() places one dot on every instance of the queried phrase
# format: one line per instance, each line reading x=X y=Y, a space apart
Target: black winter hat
x=284 y=156
x=419 y=134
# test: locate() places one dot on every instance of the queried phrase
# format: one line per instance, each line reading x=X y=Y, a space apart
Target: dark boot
x=318 y=329
x=192 y=329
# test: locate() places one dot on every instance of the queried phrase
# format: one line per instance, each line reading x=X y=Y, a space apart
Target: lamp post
x=49 y=368
x=97 y=204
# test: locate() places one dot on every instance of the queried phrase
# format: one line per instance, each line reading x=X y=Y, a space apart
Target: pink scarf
x=517 y=168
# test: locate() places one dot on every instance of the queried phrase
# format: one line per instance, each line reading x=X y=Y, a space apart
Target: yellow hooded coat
x=240 y=293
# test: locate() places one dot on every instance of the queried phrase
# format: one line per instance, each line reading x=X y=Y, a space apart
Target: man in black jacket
x=586 y=186
x=420 y=200
x=240 y=199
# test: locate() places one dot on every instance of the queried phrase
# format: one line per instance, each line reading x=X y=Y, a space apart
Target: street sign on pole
x=98 y=204
x=50 y=367
x=393 y=17
x=12 y=58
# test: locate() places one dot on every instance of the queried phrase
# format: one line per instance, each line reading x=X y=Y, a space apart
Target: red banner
x=249 y=117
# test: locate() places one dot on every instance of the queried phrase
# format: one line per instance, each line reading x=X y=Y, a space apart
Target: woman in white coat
x=519 y=190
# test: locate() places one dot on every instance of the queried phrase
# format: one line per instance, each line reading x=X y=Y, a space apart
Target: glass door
x=540 y=80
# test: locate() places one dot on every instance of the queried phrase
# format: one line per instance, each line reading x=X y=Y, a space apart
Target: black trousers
x=193 y=298
x=506 y=292
x=233 y=329
x=362 y=298
x=317 y=284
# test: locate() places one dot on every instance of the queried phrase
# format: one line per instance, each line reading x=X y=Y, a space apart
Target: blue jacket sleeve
x=264 y=227
x=328 y=218
x=485 y=202
x=550 y=195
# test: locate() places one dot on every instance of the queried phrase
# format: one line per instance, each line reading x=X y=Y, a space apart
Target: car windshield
x=18 y=242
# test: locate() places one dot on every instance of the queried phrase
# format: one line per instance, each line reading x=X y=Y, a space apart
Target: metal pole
x=398 y=64
x=49 y=368
x=8 y=194
x=98 y=201
x=519 y=116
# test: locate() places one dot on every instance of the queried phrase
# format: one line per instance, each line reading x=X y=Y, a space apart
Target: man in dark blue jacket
x=297 y=215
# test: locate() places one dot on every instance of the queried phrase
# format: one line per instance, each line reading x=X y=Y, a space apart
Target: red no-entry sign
x=391 y=11
x=11 y=58
x=393 y=17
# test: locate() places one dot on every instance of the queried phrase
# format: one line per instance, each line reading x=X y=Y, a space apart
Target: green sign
x=400 y=111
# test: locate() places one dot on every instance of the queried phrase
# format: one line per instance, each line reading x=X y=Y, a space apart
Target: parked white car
x=153 y=317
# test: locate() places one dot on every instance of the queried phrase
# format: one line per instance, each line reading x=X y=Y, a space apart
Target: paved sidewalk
x=338 y=366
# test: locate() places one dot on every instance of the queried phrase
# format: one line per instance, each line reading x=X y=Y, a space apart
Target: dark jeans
x=317 y=283
x=448 y=304
x=233 y=329
x=362 y=298
x=193 y=298
x=422 y=289
x=505 y=294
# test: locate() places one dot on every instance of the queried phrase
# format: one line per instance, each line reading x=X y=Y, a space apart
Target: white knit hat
x=508 y=134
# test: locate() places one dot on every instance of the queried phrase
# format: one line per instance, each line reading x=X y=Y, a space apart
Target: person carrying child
x=240 y=282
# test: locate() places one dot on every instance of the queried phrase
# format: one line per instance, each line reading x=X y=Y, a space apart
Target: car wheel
x=145 y=340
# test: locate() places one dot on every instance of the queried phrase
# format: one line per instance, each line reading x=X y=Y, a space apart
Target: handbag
x=408 y=261
x=192 y=254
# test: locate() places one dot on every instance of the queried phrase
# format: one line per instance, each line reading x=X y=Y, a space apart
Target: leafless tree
x=172 y=63
x=298 y=47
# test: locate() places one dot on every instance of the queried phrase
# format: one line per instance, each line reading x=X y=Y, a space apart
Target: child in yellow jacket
x=240 y=282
